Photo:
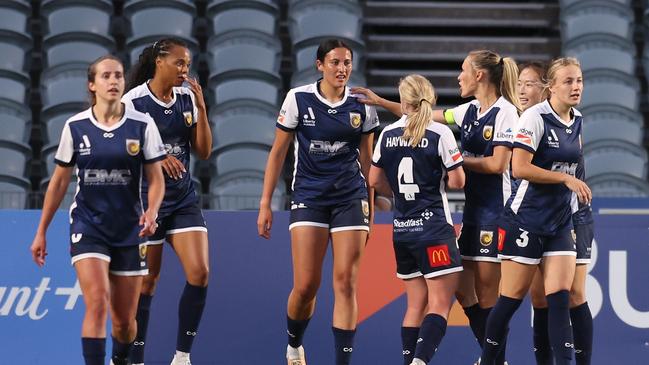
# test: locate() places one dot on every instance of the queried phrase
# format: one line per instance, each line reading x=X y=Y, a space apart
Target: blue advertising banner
x=41 y=309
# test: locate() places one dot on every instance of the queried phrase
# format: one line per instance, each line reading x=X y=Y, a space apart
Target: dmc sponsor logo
x=104 y=177
x=408 y=223
x=438 y=256
x=569 y=168
x=328 y=148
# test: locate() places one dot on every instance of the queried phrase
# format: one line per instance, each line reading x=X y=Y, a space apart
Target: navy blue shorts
x=479 y=243
x=348 y=216
x=184 y=219
x=428 y=259
x=123 y=261
x=517 y=244
x=584 y=240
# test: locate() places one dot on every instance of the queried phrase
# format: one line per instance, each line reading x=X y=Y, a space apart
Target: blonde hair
x=503 y=73
x=416 y=91
x=551 y=75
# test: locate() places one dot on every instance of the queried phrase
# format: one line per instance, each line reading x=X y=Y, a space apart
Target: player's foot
x=295 y=356
x=181 y=358
x=417 y=362
x=477 y=362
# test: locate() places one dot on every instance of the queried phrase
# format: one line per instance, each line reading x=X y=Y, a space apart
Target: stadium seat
x=244 y=50
x=14 y=158
x=64 y=86
x=607 y=157
x=15 y=122
x=606 y=123
x=587 y=18
x=14 y=86
x=594 y=53
x=78 y=48
x=246 y=157
x=70 y=16
x=15 y=54
x=14 y=16
x=251 y=87
x=69 y=194
x=242 y=191
x=343 y=20
x=259 y=15
x=152 y=20
x=611 y=88
x=54 y=122
x=618 y=186
x=13 y=192
x=244 y=124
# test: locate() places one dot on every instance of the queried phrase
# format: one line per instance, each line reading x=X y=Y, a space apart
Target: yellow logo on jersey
x=366 y=208
x=488 y=132
x=188 y=118
x=143 y=251
x=133 y=147
x=355 y=119
x=486 y=237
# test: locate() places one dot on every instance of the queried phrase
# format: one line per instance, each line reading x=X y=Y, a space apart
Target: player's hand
x=264 y=221
x=196 y=88
x=148 y=223
x=370 y=97
x=582 y=190
x=39 y=249
x=173 y=167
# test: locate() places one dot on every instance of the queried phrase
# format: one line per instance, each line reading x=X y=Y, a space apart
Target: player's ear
x=479 y=75
x=319 y=65
x=91 y=86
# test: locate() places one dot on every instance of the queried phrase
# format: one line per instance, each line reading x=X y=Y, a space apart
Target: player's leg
x=466 y=292
x=542 y=347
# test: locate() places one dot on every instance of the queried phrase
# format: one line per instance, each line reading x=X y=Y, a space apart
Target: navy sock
x=431 y=333
x=474 y=313
x=94 y=350
x=120 y=352
x=497 y=325
x=559 y=329
x=582 y=331
x=295 y=330
x=500 y=358
x=344 y=343
x=142 y=317
x=190 y=310
x=542 y=348
x=409 y=337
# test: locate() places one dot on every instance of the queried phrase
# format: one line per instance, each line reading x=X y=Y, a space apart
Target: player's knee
x=199 y=276
x=577 y=297
x=487 y=294
x=97 y=302
x=306 y=291
x=124 y=329
x=150 y=283
x=466 y=300
x=538 y=299
x=344 y=284
x=440 y=305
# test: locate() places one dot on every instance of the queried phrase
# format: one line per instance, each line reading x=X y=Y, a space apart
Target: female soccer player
x=332 y=133
x=414 y=156
x=109 y=144
x=155 y=85
x=537 y=224
x=486 y=125
x=530 y=84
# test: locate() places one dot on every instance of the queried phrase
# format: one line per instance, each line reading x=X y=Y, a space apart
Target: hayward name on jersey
x=556 y=145
x=107 y=205
x=486 y=194
x=175 y=121
x=416 y=175
x=327 y=138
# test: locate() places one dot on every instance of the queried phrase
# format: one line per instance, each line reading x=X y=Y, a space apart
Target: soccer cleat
x=181 y=358
x=294 y=357
x=477 y=362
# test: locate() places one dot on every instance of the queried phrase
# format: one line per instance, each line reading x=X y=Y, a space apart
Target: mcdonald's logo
x=438 y=256
x=501 y=238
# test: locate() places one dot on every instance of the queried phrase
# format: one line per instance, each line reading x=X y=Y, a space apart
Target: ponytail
x=144 y=69
x=502 y=72
x=508 y=82
x=416 y=91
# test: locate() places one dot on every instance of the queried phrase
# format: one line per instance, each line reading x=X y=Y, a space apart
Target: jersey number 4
x=408 y=187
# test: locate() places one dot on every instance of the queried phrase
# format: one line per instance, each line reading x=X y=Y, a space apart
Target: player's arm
x=522 y=168
x=367 y=142
x=372 y=99
x=379 y=181
x=56 y=189
x=201 y=137
x=497 y=163
x=456 y=178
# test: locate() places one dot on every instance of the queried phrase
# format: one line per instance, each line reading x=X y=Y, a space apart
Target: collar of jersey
x=558 y=118
x=158 y=101
x=477 y=104
x=316 y=91
x=106 y=128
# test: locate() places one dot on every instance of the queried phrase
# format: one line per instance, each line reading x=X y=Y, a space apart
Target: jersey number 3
x=408 y=187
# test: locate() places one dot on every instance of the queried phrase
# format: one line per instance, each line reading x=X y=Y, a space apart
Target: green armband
x=448 y=116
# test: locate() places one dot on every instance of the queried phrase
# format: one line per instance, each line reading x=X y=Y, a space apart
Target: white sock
x=417 y=361
x=182 y=355
x=292 y=353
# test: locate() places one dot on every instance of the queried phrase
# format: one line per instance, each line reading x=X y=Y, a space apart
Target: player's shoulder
x=395 y=126
x=439 y=128
x=576 y=112
x=506 y=106
x=308 y=88
x=137 y=116
x=82 y=116
x=136 y=92
x=536 y=112
x=183 y=90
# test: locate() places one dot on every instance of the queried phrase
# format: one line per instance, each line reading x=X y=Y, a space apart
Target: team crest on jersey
x=366 y=208
x=488 y=132
x=143 y=251
x=486 y=237
x=133 y=147
x=355 y=119
x=188 y=118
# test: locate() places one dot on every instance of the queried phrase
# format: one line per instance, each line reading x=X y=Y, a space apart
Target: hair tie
x=502 y=61
x=422 y=100
x=155 y=44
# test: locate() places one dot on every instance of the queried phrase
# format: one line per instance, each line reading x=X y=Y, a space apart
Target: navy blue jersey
x=107 y=205
x=175 y=121
x=416 y=176
x=547 y=208
x=486 y=194
x=584 y=213
x=327 y=139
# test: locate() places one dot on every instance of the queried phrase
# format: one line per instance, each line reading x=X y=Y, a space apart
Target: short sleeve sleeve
x=504 y=127
x=288 y=115
x=153 y=147
x=194 y=107
x=376 y=157
x=65 y=153
x=530 y=131
x=448 y=150
x=371 y=119
x=456 y=115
